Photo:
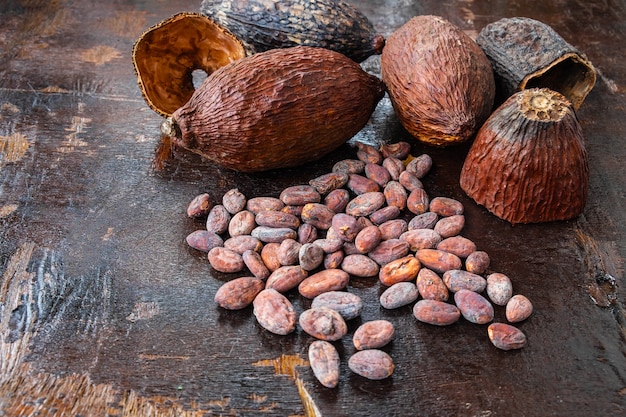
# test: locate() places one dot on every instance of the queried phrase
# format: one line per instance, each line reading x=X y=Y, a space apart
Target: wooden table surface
x=104 y=310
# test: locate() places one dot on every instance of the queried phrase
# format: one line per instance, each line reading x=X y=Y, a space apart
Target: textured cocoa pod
x=360 y=184
x=259 y=204
x=399 y=295
x=421 y=239
x=360 y=266
x=310 y=256
x=473 y=306
x=333 y=260
x=225 y=260
x=420 y=165
x=271 y=119
x=372 y=364
x=506 y=337
x=238 y=293
x=440 y=82
x=399 y=150
x=203 y=240
x=437 y=260
x=286 y=278
x=242 y=223
x=450 y=226
x=377 y=173
x=368 y=154
x=324 y=361
x=410 y=181
x=199 y=206
x=318 y=215
x=328 y=182
x=435 y=312
x=499 y=288
x=373 y=334
x=307 y=233
x=384 y=214
x=346 y=226
x=288 y=253
x=426 y=220
x=458 y=279
x=417 y=201
x=393 y=229
x=389 y=250
x=518 y=308
x=394 y=166
x=254 y=263
x=274 y=312
x=458 y=245
x=269 y=254
x=242 y=243
x=349 y=166
x=477 y=262
x=299 y=195
x=277 y=219
x=395 y=195
x=365 y=204
x=399 y=270
x=273 y=234
x=323 y=281
x=329 y=245
x=445 y=206
x=431 y=286
x=337 y=200
x=323 y=323
x=368 y=238
x=218 y=219
x=234 y=201
x=347 y=304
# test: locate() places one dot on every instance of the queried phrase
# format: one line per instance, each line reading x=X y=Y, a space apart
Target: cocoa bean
x=317 y=215
x=299 y=195
x=242 y=243
x=234 y=201
x=346 y=226
x=395 y=195
x=225 y=260
x=288 y=253
x=307 y=233
x=437 y=260
x=371 y=364
x=242 y=223
x=377 y=173
x=399 y=270
x=259 y=204
x=323 y=323
x=458 y=245
x=417 y=202
x=329 y=245
x=393 y=229
x=203 y=240
x=400 y=150
x=337 y=200
x=323 y=281
x=394 y=167
x=473 y=306
x=410 y=181
x=254 y=263
x=347 y=304
x=426 y=220
x=384 y=214
x=273 y=234
x=199 y=206
x=310 y=256
x=477 y=262
x=389 y=250
x=349 y=166
x=445 y=206
x=373 y=334
x=274 y=312
x=399 y=295
x=450 y=226
x=238 y=293
x=368 y=153
x=326 y=183
x=367 y=239
x=277 y=219
x=324 y=361
x=218 y=219
x=365 y=204
x=359 y=184
x=457 y=279
x=436 y=312
x=420 y=165
x=293 y=210
x=499 y=288
x=519 y=308
x=506 y=337
x=286 y=278
x=421 y=239
x=269 y=254
x=333 y=260
x=360 y=266
x=431 y=286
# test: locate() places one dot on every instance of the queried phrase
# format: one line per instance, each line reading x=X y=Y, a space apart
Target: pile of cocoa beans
x=369 y=217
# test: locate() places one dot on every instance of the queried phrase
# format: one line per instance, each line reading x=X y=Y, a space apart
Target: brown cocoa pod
x=242 y=243
x=473 y=306
x=417 y=201
x=436 y=312
x=242 y=223
x=277 y=219
x=286 y=278
x=269 y=254
x=458 y=245
x=307 y=233
x=457 y=279
x=421 y=239
x=359 y=184
x=477 y=262
x=426 y=220
x=347 y=304
x=328 y=182
x=373 y=334
x=310 y=256
x=499 y=288
x=238 y=293
x=399 y=270
x=506 y=337
x=299 y=195
x=393 y=229
x=273 y=234
x=410 y=181
x=431 y=286
x=365 y=204
x=400 y=150
x=372 y=364
x=324 y=361
x=225 y=260
x=234 y=201
x=438 y=260
x=445 y=206
x=399 y=295
x=218 y=219
x=389 y=250
x=519 y=308
x=337 y=200
x=254 y=263
x=395 y=195
x=349 y=166
x=384 y=214
x=329 y=245
x=199 y=206
x=288 y=253
x=318 y=215
x=333 y=260
x=359 y=266
x=259 y=204
x=394 y=166
x=377 y=173
x=450 y=226
x=203 y=240
x=346 y=226
x=368 y=153
x=368 y=238
x=274 y=312
x=420 y=165
x=323 y=281
x=323 y=323
x=293 y=210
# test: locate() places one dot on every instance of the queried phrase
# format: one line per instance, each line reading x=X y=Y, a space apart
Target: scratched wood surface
x=105 y=311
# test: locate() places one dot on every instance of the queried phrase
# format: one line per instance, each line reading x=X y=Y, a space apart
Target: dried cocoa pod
x=259 y=204
x=333 y=260
x=324 y=361
x=395 y=195
x=323 y=323
x=377 y=173
x=438 y=260
x=410 y=181
x=337 y=200
x=242 y=243
x=203 y=240
x=277 y=219
x=346 y=226
x=473 y=306
x=269 y=254
x=393 y=229
x=445 y=206
x=399 y=150
x=518 y=308
x=457 y=279
x=242 y=223
x=373 y=334
x=328 y=182
x=218 y=219
x=417 y=201
x=288 y=253
x=384 y=214
x=273 y=120
x=450 y=226
x=399 y=295
x=347 y=304
x=273 y=234
x=349 y=166
x=323 y=281
x=234 y=201
x=499 y=288
x=458 y=245
x=299 y=195
x=477 y=262
x=365 y=204
x=368 y=238
x=360 y=184
x=436 y=312
x=199 y=206
x=431 y=286
x=371 y=364
x=274 y=312
x=426 y=220
x=394 y=166
x=225 y=260
x=420 y=165
x=286 y=278
x=307 y=233
x=254 y=263
x=238 y=293
x=310 y=256
x=359 y=266
x=399 y=270
x=506 y=337
x=389 y=250
x=318 y=215
x=421 y=239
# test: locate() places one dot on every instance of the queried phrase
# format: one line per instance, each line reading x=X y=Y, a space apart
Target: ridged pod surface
x=276 y=109
x=263 y=25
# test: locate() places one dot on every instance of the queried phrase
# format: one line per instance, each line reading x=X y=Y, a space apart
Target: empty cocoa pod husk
x=527 y=53
x=166 y=55
x=528 y=163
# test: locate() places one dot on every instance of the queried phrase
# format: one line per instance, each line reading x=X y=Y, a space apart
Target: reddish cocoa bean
x=225 y=260
x=431 y=286
x=274 y=312
x=347 y=304
x=399 y=270
x=350 y=249
x=337 y=200
x=359 y=184
x=317 y=215
x=384 y=214
x=242 y=223
x=450 y=226
x=473 y=306
x=242 y=243
x=519 y=308
x=368 y=153
x=399 y=295
x=426 y=220
x=277 y=219
x=288 y=253
x=377 y=173
x=326 y=183
x=238 y=293
x=506 y=337
x=254 y=263
x=436 y=312
x=293 y=210
x=373 y=334
x=400 y=150
x=437 y=260
x=420 y=165
x=329 y=245
x=324 y=361
x=389 y=250
x=199 y=206
x=234 y=201
x=477 y=262
x=218 y=219
x=269 y=254
x=307 y=233
x=310 y=256
x=273 y=234
x=359 y=266
x=393 y=229
x=333 y=260
x=395 y=195
x=323 y=323
x=203 y=240
x=446 y=207
x=259 y=204
x=417 y=202
x=394 y=166
x=499 y=288
x=346 y=226
x=349 y=166
x=372 y=364
x=410 y=181
x=457 y=279
x=368 y=238
x=458 y=245
x=421 y=239
x=299 y=195
x=323 y=281
x=286 y=278
x=365 y=204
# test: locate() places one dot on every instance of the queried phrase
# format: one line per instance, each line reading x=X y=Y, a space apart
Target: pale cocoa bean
x=384 y=214
x=438 y=260
x=323 y=281
x=450 y=226
x=310 y=256
x=506 y=337
x=242 y=223
x=259 y=204
x=436 y=312
x=395 y=195
x=293 y=210
x=400 y=150
x=377 y=173
x=394 y=166
x=373 y=334
x=360 y=266
x=199 y=206
x=420 y=165
x=499 y=288
x=372 y=364
x=234 y=201
x=323 y=323
x=203 y=240
x=288 y=253
x=389 y=250
x=274 y=312
x=329 y=182
x=225 y=260
x=421 y=239
x=349 y=166
x=519 y=308
x=399 y=270
x=307 y=233
x=329 y=245
x=324 y=361
x=368 y=153
x=445 y=206
x=333 y=260
x=410 y=181
x=457 y=279
x=299 y=195
x=286 y=278
x=347 y=304
x=477 y=262
x=431 y=286
x=277 y=219
x=218 y=219
x=393 y=229
x=254 y=263
x=242 y=243
x=458 y=245
x=317 y=215
x=365 y=204
x=238 y=293
x=360 y=184
x=337 y=200
x=399 y=295
x=426 y=220
x=269 y=254
x=367 y=239
x=273 y=234
x=346 y=226
x=473 y=306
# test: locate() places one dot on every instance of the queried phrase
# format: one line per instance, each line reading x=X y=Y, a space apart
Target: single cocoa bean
x=367 y=239
x=317 y=215
x=347 y=304
x=417 y=202
x=384 y=214
x=337 y=200
x=506 y=337
x=323 y=281
x=431 y=286
x=436 y=312
x=299 y=195
x=399 y=270
x=324 y=361
x=377 y=173
x=360 y=266
x=420 y=165
x=273 y=234
x=204 y=240
x=286 y=278
x=254 y=263
x=457 y=279
x=333 y=260
x=274 y=312
x=499 y=288
x=450 y=226
x=389 y=250
x=218 y=219
x=438 y=260
x=368 y=153
x=373 y=334
x=365 y=204
x=310 y=256
x=421 y=239
x=395 y=195
x=393 y=229
x=372 y=364
x=346 y=226
x=329 y=245
x=238 y=293
x=277 y=219
x=458 y=245
x=242 y=243
x=326 y=183
x=293 y=210
x=242 y=223
x=410 y=181
x=394 y=166
x=288 y=253
x=269 y=254
x=307 y=233
x=400 y=150
x=477 y=262
x=259 y=204
x=473 y=306
x=234 y=201
x=225 y=260
x=399 y=295
x=199 y=206
x=519 y=308
x=445 y=206
x=426 y=220
x=323 y=323
x=349 y=166
x=360 y=184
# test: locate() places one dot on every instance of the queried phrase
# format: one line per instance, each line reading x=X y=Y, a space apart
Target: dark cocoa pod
x=256 y=114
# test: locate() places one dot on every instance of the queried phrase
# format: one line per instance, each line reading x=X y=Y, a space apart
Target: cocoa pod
x=328 y=182
x=373 y=334
x=254 y=263
x=410 y=181
x=274 y=312
x=277 y=219
x=368 y=154
x=389 y=250
x=323 y=323
x=518 y=308
x=318 y=215
x=203 y=240
x=238 y=293
x=347 y=304
x=225 y=260
x=337 y=200
x=394 y=166
x=506 y=337
x=310 y=256
x=359 y=184
x=234 y=201
x=421 y=239
x=288 y=253
x=259 y=204
x=384 y=214
x=473 y=306
x=324 y=361
x=457 y=279
x=242 y=223
x=365 y=204
x=437 y=260
x=399 y=295
x=242 y=243
x=367 y=239
x=499 y=288
x=349 y=166
x=477 y=262
x=399 y=270
x=377 y=173
x=436 y=312
x=359 y=266
x=417 y=202
x=450 y=226
x=372 y=364
x=218 y=219
x=286 y=278
x=426 y=220
x=445 y=206
x=333 y=260
x=431 y=286
x=399 y=150
x=199 y=206
x=395 y=195
x=299 y=195
x=269 y=254
x=323 y=281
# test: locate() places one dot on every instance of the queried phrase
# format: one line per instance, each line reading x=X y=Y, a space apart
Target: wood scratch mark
x=143 y=311
x=154 y=357
x=73 y=140
x=6 y=210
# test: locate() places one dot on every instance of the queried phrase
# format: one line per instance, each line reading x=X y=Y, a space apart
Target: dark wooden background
x=104 y=310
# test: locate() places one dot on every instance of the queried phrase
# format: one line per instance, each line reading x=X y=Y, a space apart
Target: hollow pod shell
x=276 y=109
x=528 y=163
x=165 y=56
x=263 y=25
x=527 y=53
x=440 y=82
